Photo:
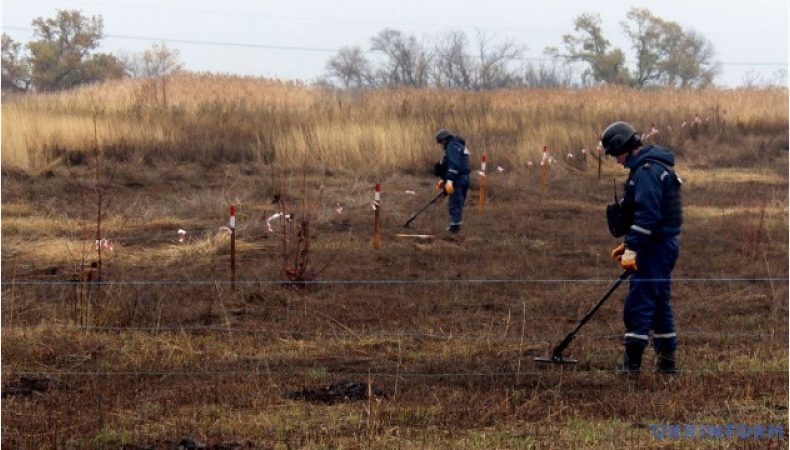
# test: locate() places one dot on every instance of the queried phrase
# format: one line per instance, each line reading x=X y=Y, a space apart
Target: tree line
x=63 y=54
x=666 y=54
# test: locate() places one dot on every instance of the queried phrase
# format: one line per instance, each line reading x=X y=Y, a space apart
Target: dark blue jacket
x=652 y=193
x=456 y=158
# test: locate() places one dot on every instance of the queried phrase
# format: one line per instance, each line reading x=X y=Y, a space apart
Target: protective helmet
x=619 y=138
x=443 y=134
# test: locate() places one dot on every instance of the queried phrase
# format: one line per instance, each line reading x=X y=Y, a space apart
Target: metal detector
x=438 y=196
x=556 y=355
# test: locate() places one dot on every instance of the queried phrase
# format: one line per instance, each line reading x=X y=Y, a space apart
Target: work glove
x=439 y=186
x=617 y=252
x=448 y=186
x=628 y=260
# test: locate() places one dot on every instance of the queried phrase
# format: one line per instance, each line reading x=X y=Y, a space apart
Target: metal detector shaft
x=439 y=195
x=556 y=354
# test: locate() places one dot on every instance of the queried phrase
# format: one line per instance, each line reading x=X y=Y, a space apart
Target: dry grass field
x=164 y=351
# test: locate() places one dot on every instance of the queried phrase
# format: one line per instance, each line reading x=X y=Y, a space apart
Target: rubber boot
x=665 y=363
x=632 y=358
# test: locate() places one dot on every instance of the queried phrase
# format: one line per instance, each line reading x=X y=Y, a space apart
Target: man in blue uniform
x=454 y=172
x=650 y=217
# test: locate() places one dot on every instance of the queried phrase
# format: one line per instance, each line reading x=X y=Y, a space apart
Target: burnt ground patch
x=341 y=391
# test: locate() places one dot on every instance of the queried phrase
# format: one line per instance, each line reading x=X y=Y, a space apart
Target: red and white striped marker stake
x=232 y=226
x=481 y=203
x=376 y=217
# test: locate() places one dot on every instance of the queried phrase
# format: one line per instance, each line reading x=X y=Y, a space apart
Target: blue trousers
x=647 y=305
x=457 y=199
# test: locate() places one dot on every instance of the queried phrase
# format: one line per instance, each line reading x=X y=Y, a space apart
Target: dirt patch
x=342 y=391
x=194 y=444
x=26 y=386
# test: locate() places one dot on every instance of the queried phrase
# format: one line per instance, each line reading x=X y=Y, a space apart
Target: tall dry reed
x=218 y=118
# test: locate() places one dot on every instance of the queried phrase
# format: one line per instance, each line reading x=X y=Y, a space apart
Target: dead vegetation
x=432 y=342
x=215 y=119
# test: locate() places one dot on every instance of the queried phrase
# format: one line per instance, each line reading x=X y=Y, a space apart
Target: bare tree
x=160 y=61
x=751 y=79
x=548 y=75
x=453 y=66
x=156 y=65
x=779 y=78
x=351 y=67
x=406 y=61
x=449 y=62
x=157 y=61
x=494 y=62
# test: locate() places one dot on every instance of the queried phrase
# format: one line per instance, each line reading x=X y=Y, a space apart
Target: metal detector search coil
x=556 y=354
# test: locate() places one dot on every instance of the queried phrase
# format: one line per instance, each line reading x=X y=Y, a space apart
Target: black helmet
x=443 y=134
x=619 y=138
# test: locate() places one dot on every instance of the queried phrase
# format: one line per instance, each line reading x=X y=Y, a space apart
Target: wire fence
x=446 y=435
x=767 y=334
x=455 y=281
x=78 y=295
x=404 y=374
x=295 y=334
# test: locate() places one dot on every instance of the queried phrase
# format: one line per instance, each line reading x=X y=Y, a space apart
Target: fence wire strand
x=481 y=281
x=314 y=374
x=384 y=334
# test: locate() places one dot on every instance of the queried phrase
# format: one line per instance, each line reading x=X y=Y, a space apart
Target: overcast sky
x=292 y=39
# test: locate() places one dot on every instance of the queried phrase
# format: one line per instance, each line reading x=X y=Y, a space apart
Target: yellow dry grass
x=194 y=355
x=710 y=212
x=730 y=175
x=212 y=117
